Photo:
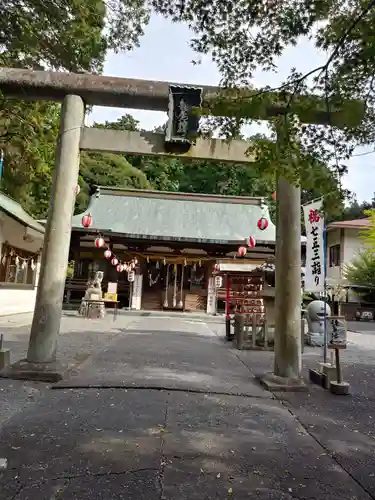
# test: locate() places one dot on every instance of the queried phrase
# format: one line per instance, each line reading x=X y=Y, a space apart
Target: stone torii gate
x=75 y=91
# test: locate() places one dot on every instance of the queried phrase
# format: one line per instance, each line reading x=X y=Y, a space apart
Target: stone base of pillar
x=317 y=377
x=4 y=358
x=339 y=388
x=329 y=371
x=39 y=372
x=228 y=334
x=274 y=383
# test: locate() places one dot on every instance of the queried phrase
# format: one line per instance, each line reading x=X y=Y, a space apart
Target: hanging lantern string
x=113 y=257
x=128 y=264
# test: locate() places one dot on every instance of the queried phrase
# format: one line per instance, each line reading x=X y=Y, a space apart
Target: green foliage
x=28 y=131
x=361 y=271
x=60 y=35
x=68 y=34
x=107 y=170
x=28 y=134
x=244 y=37
x=125 y=122
x=70 y=270
x=368 y=234
x=255 y=179
x=354 y=210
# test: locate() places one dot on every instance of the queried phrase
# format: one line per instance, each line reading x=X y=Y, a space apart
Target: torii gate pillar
x=41 y=356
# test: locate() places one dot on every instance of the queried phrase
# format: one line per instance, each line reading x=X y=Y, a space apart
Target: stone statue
x=93 y=293
x=315 y=320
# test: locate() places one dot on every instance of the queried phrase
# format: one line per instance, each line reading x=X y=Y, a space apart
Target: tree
x=355 y=210
x=28 y=132
x=246 y=36
x=361 y=271
x=368 y=233
x=198 y=176
x=73 y=35
x=107 y=170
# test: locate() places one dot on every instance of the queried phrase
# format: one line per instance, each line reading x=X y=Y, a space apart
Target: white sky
x=164 y=54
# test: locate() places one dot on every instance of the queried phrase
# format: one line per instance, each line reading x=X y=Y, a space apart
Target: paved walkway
x=154 y=413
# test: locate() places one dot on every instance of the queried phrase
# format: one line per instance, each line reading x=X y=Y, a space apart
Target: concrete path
x=168 y=354
x=174 y=428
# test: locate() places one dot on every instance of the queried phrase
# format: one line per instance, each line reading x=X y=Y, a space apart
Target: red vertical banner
x=227 y=297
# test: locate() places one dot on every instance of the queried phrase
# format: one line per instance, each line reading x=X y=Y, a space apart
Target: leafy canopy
x=361 y=271
x=60 y=35
x=72 y=35
x=248 y=35
x=242 y=36
x=368 y=233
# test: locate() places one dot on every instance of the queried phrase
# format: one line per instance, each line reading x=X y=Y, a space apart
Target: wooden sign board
x=337 y=332
x=112 y=287
x=218 y=281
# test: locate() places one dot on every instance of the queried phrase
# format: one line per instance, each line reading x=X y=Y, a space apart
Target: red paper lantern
x=114 y=261
x=251 y=242
x=120 y=268
x=99 y=242
x=262 y=223
x=87 y=220
x=242 y=251
x=77 y=189
x=274 y=196
x=108 y=254
x=217 y=267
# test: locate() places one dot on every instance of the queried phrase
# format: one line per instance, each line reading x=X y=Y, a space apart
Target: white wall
x=352 y=244
x=18 y=299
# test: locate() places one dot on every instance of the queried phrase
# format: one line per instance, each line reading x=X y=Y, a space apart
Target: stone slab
x=4 y=358
x=329 y=372
x=172 y=355
x=40 y=372
x=317 y=377
x=339 y=388
x=118 y=444
x=273 y=383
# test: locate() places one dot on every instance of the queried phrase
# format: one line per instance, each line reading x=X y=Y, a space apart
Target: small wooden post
x=254 y=330
x=227 y=308
x=337 y=340
x=338 y=366
x=240 y=330
x=265 y=333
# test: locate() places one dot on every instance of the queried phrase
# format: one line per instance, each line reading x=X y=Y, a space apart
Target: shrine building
x=174 y=242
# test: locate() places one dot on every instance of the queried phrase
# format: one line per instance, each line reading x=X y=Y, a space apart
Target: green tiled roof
x=14 y=210
x=177 y=216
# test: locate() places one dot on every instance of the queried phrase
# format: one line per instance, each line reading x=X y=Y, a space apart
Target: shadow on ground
x=178 y=444
x=151 y=445
x=343 y=425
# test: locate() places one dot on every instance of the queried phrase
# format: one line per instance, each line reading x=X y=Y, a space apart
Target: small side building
x=21 y=241
x=344 y=243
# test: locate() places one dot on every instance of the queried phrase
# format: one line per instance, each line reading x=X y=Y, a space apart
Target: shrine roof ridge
x=177 y=216
x=14 y=210
x=177 y=195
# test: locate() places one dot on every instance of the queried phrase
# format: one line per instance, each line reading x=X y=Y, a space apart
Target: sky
x=164 y=54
